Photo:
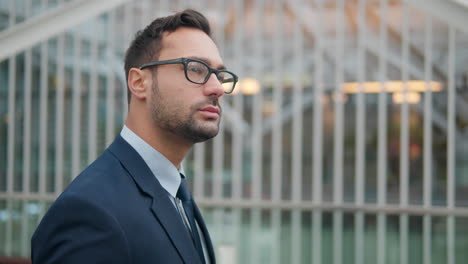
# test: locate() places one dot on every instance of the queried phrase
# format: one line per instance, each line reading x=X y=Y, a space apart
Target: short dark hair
x=147 y=43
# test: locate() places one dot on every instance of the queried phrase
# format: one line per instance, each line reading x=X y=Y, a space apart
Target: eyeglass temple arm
x=154 y=63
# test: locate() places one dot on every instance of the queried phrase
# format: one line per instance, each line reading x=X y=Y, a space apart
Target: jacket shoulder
x=76 y=229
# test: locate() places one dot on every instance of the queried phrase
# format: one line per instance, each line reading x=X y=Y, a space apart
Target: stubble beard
x=187 y=127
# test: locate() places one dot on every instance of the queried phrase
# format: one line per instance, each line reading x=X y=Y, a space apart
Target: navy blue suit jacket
x=115 y=212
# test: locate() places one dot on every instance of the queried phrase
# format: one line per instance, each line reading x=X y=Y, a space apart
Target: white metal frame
x=21 y=36
x=311 y=45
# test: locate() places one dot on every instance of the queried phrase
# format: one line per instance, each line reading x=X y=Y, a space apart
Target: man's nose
x=213 y=86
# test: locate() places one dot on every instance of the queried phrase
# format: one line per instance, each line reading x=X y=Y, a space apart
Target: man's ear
x=138 y=82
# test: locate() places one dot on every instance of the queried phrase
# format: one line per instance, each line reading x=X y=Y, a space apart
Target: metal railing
x=296 y=165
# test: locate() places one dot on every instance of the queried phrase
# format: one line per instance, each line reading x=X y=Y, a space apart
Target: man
x=132 y=205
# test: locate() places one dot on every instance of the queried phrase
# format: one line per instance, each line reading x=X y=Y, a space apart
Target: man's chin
x=203 y=134
x=199 y=131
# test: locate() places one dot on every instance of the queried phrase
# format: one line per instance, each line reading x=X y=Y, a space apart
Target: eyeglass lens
x=199 y=73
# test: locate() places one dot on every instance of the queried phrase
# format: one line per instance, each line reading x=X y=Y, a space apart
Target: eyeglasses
x=197 y=71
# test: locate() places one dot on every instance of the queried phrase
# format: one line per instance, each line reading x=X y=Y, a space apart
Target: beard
x=175 y=119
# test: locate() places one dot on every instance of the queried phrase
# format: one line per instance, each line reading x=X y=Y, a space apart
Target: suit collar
x=165 y=172
x=162 y=207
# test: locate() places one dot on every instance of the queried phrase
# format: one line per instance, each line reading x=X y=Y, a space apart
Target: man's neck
x=166 y=143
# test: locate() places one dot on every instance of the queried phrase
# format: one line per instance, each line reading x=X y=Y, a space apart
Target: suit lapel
x=162 y=207
x=206 y=235
x=165 y=212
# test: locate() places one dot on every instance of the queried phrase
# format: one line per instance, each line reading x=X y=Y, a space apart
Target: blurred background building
x=346 y=140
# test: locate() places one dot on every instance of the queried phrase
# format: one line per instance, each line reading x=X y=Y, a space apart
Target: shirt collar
x=164 y=171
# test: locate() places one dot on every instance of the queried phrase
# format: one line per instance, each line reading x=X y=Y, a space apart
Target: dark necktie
x=185 y=197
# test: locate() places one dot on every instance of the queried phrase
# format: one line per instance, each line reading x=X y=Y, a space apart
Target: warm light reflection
x=268 y=108
x=339 y=97
x=247 y=86
x=391 y=86
x=410 y=98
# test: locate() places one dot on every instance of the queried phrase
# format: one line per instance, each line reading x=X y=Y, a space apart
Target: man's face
x=178 y=106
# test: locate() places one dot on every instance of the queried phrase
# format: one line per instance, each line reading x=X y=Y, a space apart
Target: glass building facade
x=346 y=141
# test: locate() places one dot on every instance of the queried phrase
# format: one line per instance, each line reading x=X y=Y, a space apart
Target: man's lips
x=211 y=111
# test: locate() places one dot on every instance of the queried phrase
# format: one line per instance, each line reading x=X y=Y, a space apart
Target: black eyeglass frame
x=185 y=62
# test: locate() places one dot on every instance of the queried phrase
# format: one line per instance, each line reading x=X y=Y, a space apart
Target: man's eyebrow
x=208 y=61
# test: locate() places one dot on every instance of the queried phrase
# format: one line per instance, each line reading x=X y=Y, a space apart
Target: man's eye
x=196 y=69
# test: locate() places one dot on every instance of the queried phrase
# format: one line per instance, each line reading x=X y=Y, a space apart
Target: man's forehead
x=190 y=43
